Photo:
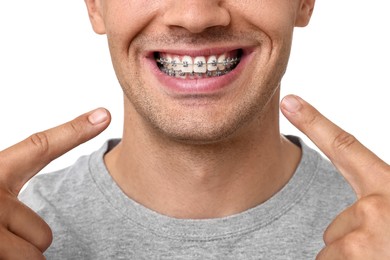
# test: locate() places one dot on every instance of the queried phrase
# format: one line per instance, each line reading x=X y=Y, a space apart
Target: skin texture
x=222 y=137
x=265 y=26
x=201 y=153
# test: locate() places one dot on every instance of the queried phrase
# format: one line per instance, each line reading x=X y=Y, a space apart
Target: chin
x=203 y=130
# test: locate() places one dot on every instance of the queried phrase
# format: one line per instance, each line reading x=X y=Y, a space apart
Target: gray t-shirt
x=92 y=218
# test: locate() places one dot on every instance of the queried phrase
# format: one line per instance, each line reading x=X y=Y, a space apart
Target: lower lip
x=200 y=86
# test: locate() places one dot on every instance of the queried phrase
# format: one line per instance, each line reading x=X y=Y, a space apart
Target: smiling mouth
x=187 y=67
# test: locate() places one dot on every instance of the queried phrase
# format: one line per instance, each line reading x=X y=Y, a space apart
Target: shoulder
x=46 y=187
x=65 y=186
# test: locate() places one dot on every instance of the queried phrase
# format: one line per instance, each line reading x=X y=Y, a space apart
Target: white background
x=53 y=68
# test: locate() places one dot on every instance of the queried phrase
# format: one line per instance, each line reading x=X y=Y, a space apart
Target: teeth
x=222 y=62
x=212 y=63
x=200 y=66
x=187 y=64
x=181 y=75
x=168 y=62
x=176 y=64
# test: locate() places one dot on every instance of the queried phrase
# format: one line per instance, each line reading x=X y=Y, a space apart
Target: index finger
x=23 y=160
x=361 y=168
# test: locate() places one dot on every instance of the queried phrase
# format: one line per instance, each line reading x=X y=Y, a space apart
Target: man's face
x=199 y=70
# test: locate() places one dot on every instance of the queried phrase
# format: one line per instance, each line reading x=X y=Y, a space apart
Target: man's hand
x=362 y=231
x=23 y=234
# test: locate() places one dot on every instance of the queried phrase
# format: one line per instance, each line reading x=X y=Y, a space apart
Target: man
x=201 y=170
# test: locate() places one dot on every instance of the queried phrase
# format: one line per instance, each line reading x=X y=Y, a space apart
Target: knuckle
x=13 y=248
x=41 y=142
x=42 y=237
x=76 y=129
x=343 y=141
x=5 y=169
x=31 y=252
x=74 y=126
x=353 y=245
x=312 y=120
x=7 y=203
x=368 y=208
x=327 y=236
x=3 y=163
x=321 y=255
x=45 y=238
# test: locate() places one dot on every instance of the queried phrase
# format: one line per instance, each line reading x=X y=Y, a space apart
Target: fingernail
x=291 y=104
x=98 y=116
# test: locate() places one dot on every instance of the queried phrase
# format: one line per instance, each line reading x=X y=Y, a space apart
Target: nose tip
x=196 y=15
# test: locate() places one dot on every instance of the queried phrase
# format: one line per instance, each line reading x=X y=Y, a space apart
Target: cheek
x=125 y=19
x=275 y=18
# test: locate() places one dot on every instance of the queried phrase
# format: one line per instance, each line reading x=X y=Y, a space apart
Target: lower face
x=202 y=87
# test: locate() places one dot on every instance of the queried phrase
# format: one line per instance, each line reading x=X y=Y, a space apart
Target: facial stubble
x=194 y=124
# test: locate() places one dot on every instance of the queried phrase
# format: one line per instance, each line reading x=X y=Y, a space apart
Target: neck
x=204 y=181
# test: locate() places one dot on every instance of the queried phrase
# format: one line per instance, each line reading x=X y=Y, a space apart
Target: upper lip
x=199 y=51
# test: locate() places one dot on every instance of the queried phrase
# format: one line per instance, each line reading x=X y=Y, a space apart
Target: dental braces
x=228 y=62
x=179 y=73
